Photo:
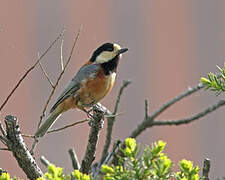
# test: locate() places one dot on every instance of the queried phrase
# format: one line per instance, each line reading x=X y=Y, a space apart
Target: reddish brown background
x=171 y=45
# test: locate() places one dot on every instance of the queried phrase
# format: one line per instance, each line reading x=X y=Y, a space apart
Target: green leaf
x=130 y=143
x=157 y=148
x=77 y=175
x=210 y=77
x=205 y=80
x=107 y=169
x=187 y=170
x=5 y=176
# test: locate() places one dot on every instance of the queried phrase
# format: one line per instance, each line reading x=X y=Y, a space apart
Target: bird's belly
x=95 y=89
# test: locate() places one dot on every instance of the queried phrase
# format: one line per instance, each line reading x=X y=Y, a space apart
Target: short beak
x=122 y=51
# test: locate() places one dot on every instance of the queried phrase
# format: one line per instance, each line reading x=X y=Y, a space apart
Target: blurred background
x=171 y=45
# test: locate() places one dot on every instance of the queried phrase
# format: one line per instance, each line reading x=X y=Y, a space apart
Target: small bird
x=92 y=82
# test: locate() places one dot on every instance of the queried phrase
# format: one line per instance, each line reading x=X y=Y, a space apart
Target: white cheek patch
x=105 y=57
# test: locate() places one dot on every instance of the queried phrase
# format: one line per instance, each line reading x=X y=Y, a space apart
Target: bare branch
x=206 y=168
x=53 y=90
x=2 y=129
x=74 y=159
x=46 y=75
x=98 y=115
x=61 y=55
x=147 y=122
x=176 y=99
x=3 y=139
x=44 y=161
x=57 y=82
x=189 y=119
x=115 y=147
x=124 y=85
x=67 y=126
x=28 y=136
x=16 y=144
x=97 y=168
x=110 y=123
x=33 y=146
x=30 y=69
x=146 y=109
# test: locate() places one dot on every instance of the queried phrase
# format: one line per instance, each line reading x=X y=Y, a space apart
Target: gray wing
x=75 y=83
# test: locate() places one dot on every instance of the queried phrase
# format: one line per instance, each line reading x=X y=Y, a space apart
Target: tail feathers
x=48 y=123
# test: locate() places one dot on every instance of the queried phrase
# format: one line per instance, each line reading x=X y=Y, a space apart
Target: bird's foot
x=88 y=112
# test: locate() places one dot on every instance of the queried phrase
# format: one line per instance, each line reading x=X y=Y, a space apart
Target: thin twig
x=28 y=136
x=146 y=109
x=3 y=139
x=115 y=147
x=67 y=126
x=2 y=129
x=61 y=55
x=176 y=99
x=97 y=168
x=5 y=149
x=98 y=116
x=110 y=123
x=34 y=145
x=147 y=122
x=53 y=90
x=124 y=85
x=57 y=82
x=205 y=170
x=30 y=69
x=44 y=161
x=189 y=119
x=74 y=159
x=46 y=75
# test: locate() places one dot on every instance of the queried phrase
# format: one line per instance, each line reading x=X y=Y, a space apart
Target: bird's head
x=106 y=53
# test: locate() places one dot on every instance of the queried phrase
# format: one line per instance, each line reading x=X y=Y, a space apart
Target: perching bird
x=93 y=81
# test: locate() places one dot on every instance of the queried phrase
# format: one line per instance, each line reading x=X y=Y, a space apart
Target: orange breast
x=66 y=104
x=95 y=89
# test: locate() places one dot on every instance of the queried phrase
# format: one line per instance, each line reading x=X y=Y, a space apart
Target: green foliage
x=77 y=175
x=215 y=83
x=150 y=164
x=5 y=176
x=56 y=173
x=187 y=171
